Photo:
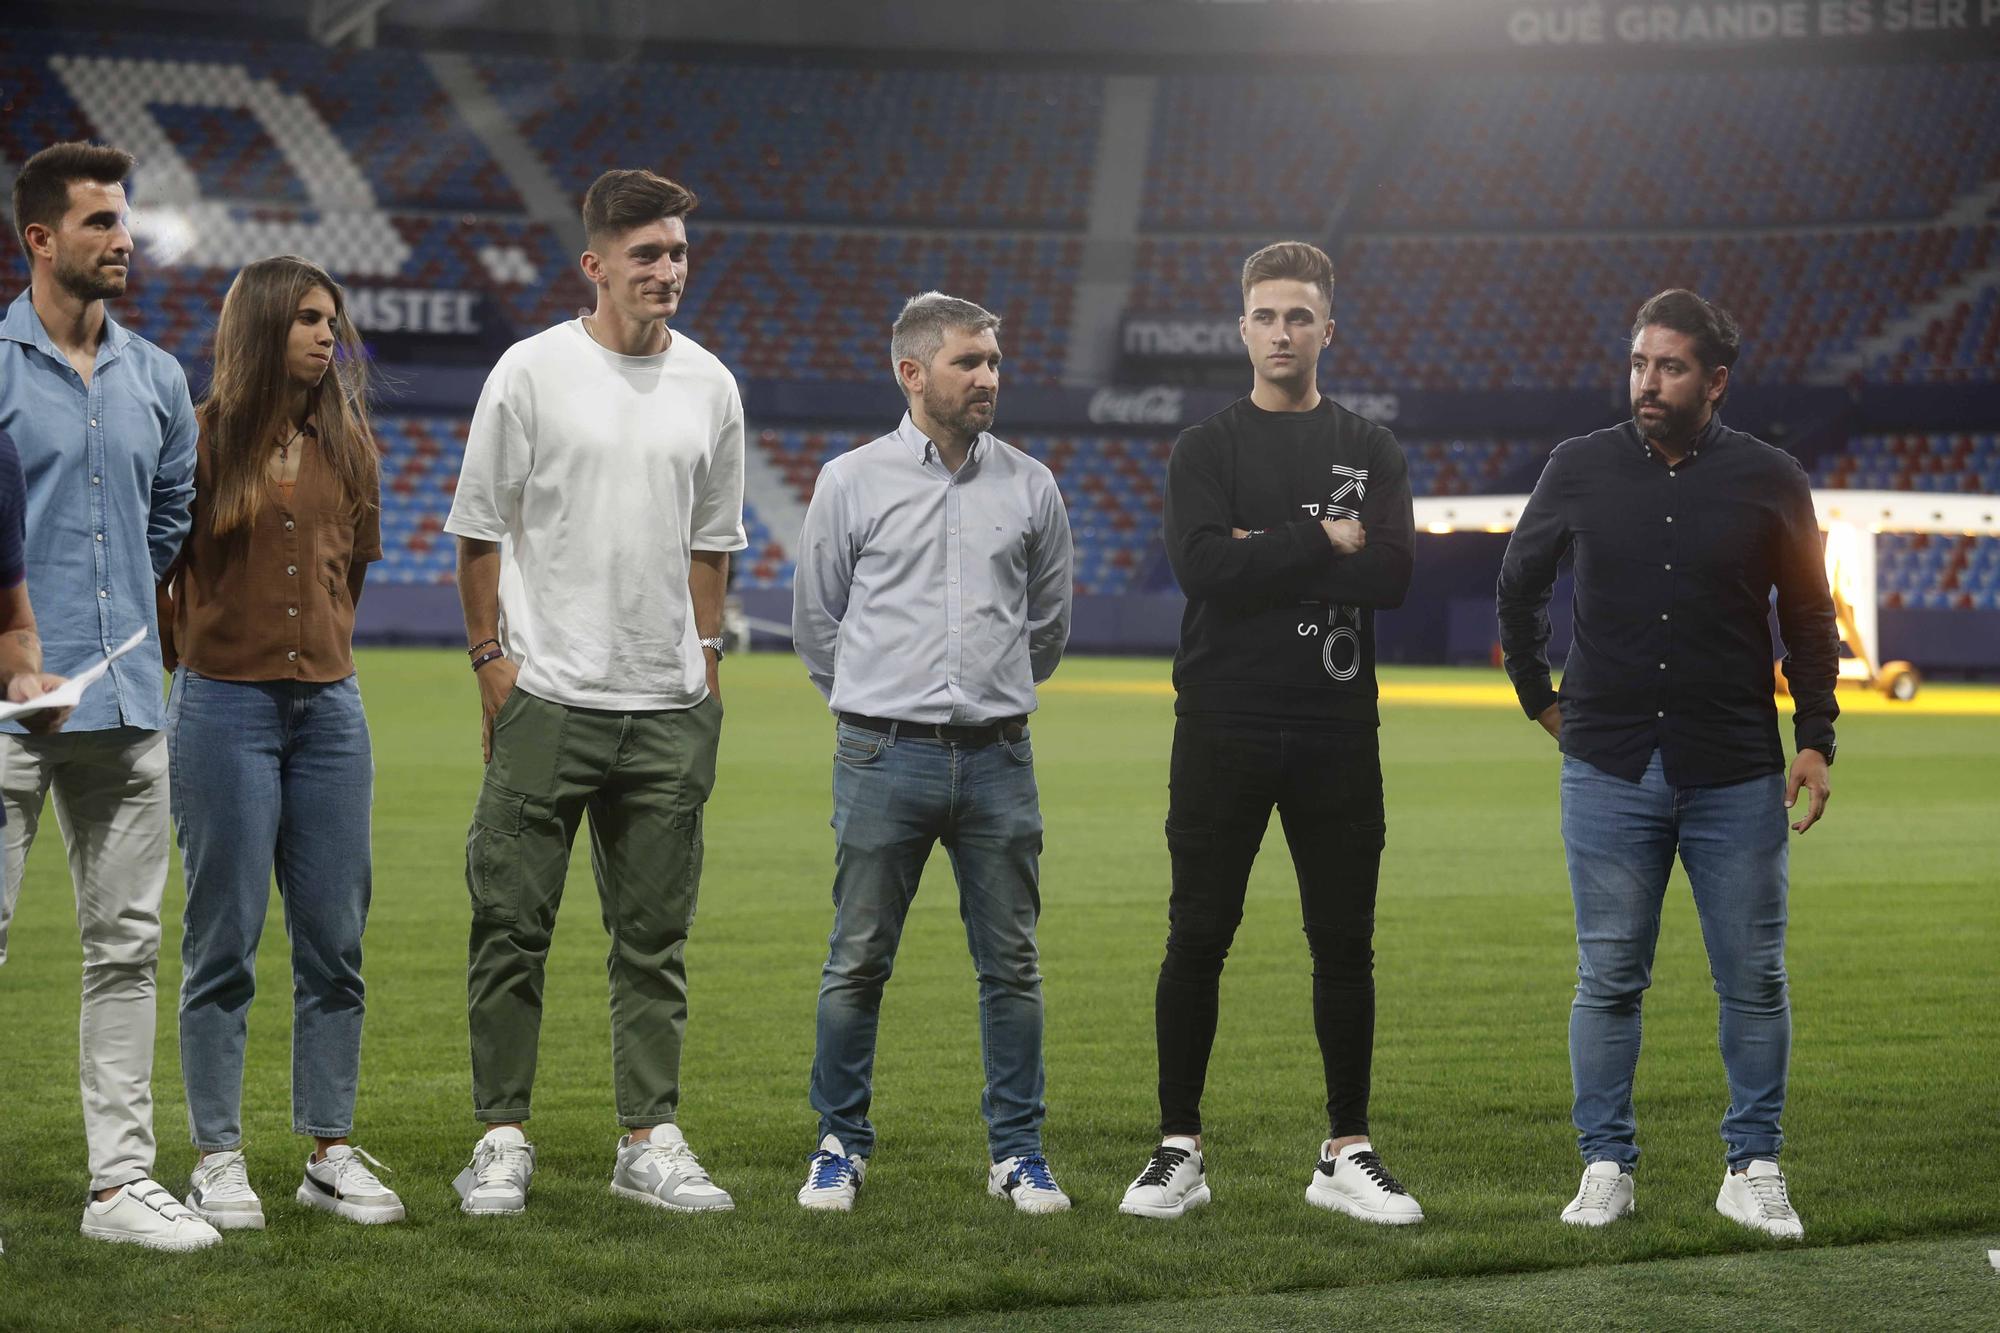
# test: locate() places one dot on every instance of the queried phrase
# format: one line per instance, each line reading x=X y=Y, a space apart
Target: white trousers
x=111 y=804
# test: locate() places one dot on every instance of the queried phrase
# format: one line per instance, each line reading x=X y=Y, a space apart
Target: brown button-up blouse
x=272 y=602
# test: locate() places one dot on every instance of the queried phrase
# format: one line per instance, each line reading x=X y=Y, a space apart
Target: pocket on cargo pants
x=492 y=854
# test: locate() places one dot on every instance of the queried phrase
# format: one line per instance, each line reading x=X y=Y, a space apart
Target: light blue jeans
x=1621 y=838
x=892 y=800
x=271 y=774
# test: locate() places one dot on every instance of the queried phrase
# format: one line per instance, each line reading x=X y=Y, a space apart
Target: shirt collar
x=921 y=446
x=1706 y=437
x=23 y=325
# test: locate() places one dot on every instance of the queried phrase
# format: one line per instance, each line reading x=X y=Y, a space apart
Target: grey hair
x=919 y=331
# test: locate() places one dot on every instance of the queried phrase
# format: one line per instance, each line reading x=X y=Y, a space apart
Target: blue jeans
x=1621 y=838
x=271 y=774
x=892 y=799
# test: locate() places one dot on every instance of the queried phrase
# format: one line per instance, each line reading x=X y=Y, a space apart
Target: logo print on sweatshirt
x=1348 y=483
x=1340 y=646
x=1340 y=651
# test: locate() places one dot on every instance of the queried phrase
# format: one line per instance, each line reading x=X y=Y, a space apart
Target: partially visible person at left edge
x=21 y=674
x=106 y=435
x=265 y=730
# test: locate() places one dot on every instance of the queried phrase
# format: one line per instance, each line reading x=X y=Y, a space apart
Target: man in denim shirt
x=106 y=434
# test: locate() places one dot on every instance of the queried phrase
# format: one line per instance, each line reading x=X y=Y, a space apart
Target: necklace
x=285 y=445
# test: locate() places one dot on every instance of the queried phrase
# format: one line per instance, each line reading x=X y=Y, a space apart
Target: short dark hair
x=918 y=334
x=41 y=191
x=618 y=201
x=1298 y=260
x=1717 y=340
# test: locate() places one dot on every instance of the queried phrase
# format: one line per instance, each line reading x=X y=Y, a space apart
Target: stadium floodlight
x=1851 y=520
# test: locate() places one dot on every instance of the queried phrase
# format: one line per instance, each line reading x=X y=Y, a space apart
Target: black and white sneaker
x=1354 y=1181
x=341 y=1183
x=1172 y=1182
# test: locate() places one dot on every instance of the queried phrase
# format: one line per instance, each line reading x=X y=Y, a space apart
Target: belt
x=985 y=733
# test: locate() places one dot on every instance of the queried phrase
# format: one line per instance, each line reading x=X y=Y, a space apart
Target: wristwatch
x=716 y=644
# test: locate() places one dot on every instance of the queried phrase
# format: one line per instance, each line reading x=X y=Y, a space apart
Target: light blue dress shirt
x=110 y=474
x=926 y=595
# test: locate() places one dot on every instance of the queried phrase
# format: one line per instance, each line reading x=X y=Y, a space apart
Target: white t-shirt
x=598 y=473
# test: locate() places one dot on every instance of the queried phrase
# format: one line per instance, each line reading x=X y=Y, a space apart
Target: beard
x=962 y=417
x=1674 y=423
x=90 y=282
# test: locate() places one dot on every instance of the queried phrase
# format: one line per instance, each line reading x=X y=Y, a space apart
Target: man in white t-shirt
x=601 y=495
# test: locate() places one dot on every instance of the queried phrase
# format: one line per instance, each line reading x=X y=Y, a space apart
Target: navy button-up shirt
x=110 y=478
x=1675 y=564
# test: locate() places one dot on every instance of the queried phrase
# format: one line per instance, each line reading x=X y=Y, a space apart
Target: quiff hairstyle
x=618 y=201
x=919 y=331
x=41 y=191
x=1297 y=260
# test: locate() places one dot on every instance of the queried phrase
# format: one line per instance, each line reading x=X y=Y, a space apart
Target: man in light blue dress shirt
x=106 y=434
x=932 y=595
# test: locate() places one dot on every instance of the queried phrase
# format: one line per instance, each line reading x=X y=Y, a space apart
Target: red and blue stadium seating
x=762 y=142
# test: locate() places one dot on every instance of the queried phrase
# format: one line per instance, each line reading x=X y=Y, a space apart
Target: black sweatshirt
x=1280 y=627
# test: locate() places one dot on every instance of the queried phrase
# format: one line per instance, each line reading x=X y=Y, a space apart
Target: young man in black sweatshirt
x=1288 y=522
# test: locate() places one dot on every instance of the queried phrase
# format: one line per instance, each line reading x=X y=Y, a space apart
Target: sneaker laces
x=351 y=1177
x=1597 y=1191
x=830 y=1171
x=1162 y=1167
x=1370 y=1162
x=504 y=1164
x=1770 y=1196
x=223 y=1174
x=679 y=1157
x=1033 y=1171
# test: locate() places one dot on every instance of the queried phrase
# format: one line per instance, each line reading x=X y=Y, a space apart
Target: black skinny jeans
x=1327 y=787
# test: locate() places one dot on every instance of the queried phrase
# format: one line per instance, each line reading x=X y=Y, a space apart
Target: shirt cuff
x=1535 y=697
x=1814 y=734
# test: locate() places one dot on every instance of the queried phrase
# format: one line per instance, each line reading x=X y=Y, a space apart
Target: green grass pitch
x=1893 y=1137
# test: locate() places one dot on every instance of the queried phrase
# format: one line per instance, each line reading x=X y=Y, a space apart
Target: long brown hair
x=243 y=413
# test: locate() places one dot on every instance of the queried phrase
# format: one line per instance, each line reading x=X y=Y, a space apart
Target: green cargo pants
x=642 y=778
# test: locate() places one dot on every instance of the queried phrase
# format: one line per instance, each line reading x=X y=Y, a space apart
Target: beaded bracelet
x=474 y=649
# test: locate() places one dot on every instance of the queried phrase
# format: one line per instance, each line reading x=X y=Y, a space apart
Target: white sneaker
x=340 y=1184
x=219 y=1193
x=1028 y=1182
x=832 y=1178
x=1354 y=1181
x=1756 y=1197
x=1604 y=1196
x=1172 y=1182
x=495 y=1184
x=664 y=1172
x=143 y=1213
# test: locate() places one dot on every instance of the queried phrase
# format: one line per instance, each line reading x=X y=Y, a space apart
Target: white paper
x=70 y=693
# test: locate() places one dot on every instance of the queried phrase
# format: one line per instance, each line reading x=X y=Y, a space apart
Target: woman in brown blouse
x=271 y=766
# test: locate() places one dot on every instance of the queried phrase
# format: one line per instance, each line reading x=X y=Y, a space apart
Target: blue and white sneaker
x=832 y=1178
x=1028 y=1182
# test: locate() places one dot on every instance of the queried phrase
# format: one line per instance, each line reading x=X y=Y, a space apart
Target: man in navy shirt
x=21 y=675
x=1680 y=528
